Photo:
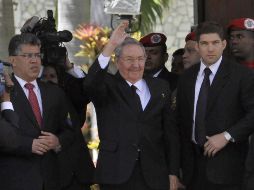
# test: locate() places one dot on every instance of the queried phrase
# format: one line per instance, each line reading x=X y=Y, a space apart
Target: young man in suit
x=157 y=56
x=42 y=115
x=134 y=120
x=215 y=112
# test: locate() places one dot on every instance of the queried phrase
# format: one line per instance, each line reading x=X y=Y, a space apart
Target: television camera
x=52 y=48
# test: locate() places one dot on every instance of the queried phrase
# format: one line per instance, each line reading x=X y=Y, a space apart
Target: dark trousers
x=249 y=181
x=76 y=185
x=136 y=182
x=200 y=180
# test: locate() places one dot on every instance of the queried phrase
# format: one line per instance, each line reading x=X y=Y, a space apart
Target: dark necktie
x=34 y=102
x=136 y=98
x=200 y=130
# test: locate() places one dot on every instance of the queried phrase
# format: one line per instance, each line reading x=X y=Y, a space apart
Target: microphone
x=5 y=63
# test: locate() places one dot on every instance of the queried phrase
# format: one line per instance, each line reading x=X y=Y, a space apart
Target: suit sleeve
x=245 y=126
x=171 y=137
x=94 y=83
x=65 y=133
x=11 y=141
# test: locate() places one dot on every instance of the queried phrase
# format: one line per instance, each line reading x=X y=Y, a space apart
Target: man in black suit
x=157 y=56
x=215 y=111
x=241 y=44
x=42 y=115
x=76 y=166
x=134 y=120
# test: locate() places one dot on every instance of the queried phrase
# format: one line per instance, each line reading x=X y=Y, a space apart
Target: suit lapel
x=45 y=103
x=218 y=83
x=153 y=91
x=21 y=103
x=125 y=92
x=190 y=86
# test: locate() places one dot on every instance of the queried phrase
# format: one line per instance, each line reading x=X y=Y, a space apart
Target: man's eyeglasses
x=31 y=55
x=133 y=59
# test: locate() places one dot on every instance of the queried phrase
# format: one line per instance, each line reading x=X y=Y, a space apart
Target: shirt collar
x=214 y=67
x=139 y=84
x=23 y=82
x=158 y=72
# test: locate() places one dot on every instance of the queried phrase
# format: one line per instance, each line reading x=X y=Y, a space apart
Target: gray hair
x=22 y=39
x=128 y=41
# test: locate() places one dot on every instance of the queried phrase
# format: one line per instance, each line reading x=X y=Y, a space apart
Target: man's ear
x=224 y=44
x=11 y=60
x=165 y=57
x=196 y=47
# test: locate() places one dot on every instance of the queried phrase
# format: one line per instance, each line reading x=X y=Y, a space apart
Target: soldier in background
x=191 y=55
x=157 y=56
x=241 y=43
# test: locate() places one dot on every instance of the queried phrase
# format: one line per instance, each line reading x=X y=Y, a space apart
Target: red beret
x=190 y=36
x=241 y=24
x=153 y=39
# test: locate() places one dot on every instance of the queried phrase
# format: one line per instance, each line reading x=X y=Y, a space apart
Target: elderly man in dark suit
x=42 y=115
x=134 y=120
x=216 y=115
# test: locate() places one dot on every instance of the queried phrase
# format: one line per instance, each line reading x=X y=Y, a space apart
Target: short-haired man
x=134 y=120
x=215 y=109
x=191 y=55
x=42 y=115
x=157 y=56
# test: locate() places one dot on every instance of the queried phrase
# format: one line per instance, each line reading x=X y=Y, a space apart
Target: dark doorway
x=223 y=11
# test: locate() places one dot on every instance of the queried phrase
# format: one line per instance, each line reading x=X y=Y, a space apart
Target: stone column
x=71 y=13
x=6 y=27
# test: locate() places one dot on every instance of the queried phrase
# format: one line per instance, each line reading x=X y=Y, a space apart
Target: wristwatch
x=228 y=137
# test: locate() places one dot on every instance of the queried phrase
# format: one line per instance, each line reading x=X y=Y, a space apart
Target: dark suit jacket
x=75 y=161
x=249 y=166
x=230 y=108
x=32 y=171
x=170 y=77
x=122 y=130
x=8 y=133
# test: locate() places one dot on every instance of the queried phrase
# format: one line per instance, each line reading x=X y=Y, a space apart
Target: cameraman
x=69 y=77
x=76 y=166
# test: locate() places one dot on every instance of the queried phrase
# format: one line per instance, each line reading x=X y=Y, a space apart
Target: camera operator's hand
x=73 y=70
x=68 y=65
x=8 y=86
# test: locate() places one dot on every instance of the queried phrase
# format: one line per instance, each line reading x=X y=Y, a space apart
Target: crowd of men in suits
x=200 y=144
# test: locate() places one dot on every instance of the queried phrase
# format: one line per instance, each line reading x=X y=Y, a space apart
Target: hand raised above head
x=116 y=38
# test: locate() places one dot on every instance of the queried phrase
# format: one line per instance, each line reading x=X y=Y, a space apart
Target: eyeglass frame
x=31 y=55
x=130 y=60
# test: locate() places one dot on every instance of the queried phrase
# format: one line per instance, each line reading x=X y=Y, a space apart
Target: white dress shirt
x=214 y=68
x=8 y=105
x=142 y=88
